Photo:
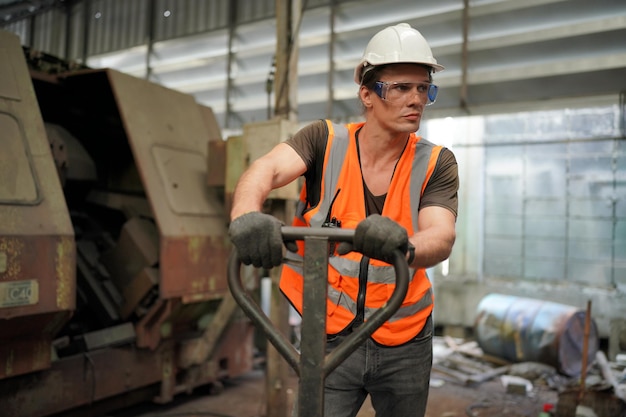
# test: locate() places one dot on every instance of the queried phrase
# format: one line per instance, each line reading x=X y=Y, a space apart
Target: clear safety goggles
x=395 y=91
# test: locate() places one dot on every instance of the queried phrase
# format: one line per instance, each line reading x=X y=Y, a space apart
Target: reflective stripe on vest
x=332 y=168
x=402 y=312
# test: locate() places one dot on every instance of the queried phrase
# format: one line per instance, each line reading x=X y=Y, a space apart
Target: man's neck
x=380 y=147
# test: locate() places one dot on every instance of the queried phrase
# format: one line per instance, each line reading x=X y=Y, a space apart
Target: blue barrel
x=529 y=330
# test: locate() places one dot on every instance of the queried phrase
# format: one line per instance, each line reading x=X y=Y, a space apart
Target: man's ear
x=365 y=94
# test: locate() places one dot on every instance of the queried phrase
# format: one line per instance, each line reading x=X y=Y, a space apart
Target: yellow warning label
x=19 y=293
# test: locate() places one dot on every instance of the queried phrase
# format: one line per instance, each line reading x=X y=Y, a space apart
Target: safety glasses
x=396 y=91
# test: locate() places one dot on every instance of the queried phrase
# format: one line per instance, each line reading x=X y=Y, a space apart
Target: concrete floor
x=245 y=397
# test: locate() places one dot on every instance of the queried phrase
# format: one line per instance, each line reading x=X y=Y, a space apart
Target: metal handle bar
x=317 y=365
x=333 y=234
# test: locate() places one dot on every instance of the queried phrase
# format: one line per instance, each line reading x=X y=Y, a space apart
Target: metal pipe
x=464 y=57
x=256 y=314
x=313 y=329
x=583 y=370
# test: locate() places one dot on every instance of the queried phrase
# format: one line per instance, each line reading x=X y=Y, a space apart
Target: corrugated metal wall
x=113 y=25
x=517 y=53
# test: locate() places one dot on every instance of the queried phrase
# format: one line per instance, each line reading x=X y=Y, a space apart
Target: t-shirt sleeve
x=310 y=143
x=442 y=188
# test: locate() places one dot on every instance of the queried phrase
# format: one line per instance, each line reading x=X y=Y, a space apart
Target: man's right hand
x=258 y=239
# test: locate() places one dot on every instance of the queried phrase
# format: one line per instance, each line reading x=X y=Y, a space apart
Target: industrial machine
x=113 y=241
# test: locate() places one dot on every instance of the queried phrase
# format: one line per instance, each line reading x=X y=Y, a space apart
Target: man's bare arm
x=278 y=167
x=435 y=237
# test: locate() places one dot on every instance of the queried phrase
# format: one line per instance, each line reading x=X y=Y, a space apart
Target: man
x=398 y=191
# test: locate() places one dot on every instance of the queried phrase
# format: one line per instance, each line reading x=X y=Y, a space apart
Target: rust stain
x=200 y=285
x=194 y=248
x=12 y=247
x=517 y=337
x=3 y=262
x=64 y=268
x=197 y=284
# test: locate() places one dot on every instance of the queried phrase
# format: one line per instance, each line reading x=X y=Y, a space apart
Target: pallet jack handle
x=312 y=364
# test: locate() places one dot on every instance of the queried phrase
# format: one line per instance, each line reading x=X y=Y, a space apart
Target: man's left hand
x=377 y=237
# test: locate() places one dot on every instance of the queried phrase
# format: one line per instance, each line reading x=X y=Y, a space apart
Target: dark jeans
x=396 y=378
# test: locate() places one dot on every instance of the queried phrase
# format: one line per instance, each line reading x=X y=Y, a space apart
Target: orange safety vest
x=341 y=171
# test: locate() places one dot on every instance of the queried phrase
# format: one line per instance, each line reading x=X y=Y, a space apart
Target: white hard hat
x=396 y=44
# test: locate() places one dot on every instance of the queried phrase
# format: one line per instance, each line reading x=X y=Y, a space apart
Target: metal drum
x=524 y=329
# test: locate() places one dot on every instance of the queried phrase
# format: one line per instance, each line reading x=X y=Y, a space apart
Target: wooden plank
x=469 y=349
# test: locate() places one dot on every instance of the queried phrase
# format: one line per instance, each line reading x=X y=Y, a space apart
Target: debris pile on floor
x=602 y=394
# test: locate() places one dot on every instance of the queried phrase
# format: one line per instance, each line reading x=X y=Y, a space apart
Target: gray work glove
x=377 y=237
x=258 y=239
